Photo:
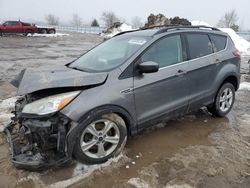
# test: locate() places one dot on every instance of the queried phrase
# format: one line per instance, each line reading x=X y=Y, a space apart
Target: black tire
x=52 y=31
x=78 y=152
x=43 y=31
x=216 y=107
x=29 y=32
x=1 y=33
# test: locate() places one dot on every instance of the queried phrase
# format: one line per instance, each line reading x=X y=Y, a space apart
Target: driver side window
x=165 y=52
x=6 y=23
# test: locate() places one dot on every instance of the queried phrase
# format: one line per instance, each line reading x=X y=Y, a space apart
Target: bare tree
x=52 y=19
x=109 y=18
x=229 y=20
x=136 y=22
x=76 y=21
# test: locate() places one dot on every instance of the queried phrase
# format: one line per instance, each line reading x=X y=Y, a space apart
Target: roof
x=163 y=29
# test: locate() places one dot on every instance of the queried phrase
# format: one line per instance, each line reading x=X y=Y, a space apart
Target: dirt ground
x=197 y=150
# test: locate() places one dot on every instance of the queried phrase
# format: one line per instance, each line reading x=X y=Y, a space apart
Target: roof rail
x=123 y=32
x=166 y=28
x=179 y=27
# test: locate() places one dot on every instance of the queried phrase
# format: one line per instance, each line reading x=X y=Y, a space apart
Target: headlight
x=50 y=104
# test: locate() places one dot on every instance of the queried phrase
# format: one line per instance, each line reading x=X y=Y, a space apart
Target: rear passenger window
x=165 y=52
x=199 y=45
x=219 y=42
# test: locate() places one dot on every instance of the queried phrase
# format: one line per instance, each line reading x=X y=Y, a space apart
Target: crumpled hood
x=29 y=80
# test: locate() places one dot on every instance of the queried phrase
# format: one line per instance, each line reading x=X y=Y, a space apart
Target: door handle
x=180 y=72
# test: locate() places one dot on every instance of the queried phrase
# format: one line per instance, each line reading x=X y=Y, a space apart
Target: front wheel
x=29 y=32
x=101 y=139
x=224 y=100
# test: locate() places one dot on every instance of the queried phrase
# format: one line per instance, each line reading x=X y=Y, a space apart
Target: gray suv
x=89 y=107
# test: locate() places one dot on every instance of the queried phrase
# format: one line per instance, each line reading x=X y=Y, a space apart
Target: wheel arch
x=230 y=79
x=125 y=115
x=129 y=121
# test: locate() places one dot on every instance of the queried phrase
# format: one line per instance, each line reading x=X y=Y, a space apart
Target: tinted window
x=11 y=23
x=167 y=51
x=199 y=45
x=6 y=23
x=219 y=42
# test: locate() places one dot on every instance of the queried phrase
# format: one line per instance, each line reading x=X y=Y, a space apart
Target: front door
x=12 y=27
x=165 y=91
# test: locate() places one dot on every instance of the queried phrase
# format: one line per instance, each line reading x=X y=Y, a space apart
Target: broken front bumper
x=34 y=147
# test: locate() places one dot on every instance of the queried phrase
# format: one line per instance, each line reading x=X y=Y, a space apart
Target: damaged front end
x=37 y=142
x=39 y=133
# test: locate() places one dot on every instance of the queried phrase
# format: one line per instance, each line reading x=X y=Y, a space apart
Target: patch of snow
x=199 y=22
x=48 y=35
x=6 y=106
x=245 y=86
x=124 y=27
x=138 y=183
x=241 y=44
x=82 y=171
x=178 y=186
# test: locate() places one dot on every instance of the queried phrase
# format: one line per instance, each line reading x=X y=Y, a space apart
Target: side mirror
x=148 y=67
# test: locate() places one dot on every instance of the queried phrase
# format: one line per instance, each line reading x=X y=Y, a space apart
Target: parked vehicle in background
x=89 y=107
x=18 y=27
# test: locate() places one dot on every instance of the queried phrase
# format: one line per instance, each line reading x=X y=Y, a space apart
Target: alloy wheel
x=100 y=138
x=226 y=99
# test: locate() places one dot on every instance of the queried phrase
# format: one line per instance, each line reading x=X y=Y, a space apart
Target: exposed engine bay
x=37 y=142
x=39 y=134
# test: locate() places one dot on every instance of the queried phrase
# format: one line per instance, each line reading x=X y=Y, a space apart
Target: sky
x=210 y=11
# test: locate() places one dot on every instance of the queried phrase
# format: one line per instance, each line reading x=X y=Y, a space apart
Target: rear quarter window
x=219 y=42
x=199 y=45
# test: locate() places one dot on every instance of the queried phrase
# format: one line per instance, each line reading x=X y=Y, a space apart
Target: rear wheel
x=52 y=31
x=1 y=33
x=224 y=100
x=101 y=139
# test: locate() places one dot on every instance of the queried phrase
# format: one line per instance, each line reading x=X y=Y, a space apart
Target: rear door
x=201 y=66
x=165 y=91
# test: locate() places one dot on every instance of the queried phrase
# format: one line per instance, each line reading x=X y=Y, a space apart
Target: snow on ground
x=241 y=44
x=115 y=31
x=245 y=86
x=48 y=35
x=6 y=106
x=83 y=171
x=138 y=183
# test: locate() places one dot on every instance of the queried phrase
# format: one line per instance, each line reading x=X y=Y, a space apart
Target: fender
x=226 y=71
x=87 y=118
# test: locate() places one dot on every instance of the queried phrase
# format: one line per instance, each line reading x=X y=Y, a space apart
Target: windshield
x=109 y=54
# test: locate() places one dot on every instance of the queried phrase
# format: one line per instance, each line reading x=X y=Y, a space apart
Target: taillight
x=236 y=53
